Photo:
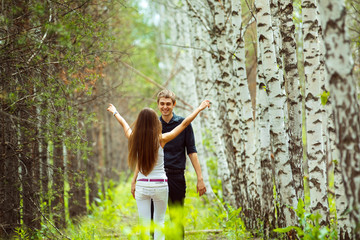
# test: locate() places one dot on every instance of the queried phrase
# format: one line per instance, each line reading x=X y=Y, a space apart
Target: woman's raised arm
x=121 y=120
x=167 y=137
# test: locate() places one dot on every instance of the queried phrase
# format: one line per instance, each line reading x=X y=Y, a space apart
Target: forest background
x=279 y=149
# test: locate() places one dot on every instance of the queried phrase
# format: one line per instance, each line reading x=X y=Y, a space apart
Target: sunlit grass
x=116 y=217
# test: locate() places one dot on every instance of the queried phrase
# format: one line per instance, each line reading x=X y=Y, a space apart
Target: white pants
x=158 y=192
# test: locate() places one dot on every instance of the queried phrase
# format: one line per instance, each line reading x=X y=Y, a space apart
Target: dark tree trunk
x=29 y=172
x=44 y=166
x=77 y=198
x=58 y=207
x=93 y=163
x=9 y=177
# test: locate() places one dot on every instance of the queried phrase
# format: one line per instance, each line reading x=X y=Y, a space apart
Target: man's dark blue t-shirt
x=174 y=151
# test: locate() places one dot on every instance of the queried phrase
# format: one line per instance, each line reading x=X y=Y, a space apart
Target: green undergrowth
x=115 y=217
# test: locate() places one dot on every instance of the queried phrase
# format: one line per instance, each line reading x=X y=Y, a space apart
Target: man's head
x=166 y=102
x=165 y=93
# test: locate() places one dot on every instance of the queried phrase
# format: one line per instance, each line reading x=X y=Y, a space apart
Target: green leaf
x=288 y=229
x=324 y=97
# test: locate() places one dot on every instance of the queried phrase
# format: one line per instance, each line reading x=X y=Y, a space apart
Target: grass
x=116 y=217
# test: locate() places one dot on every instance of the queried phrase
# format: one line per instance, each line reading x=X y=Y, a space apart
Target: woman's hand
x=133 y=183
x=111 y=109
x=204 y=104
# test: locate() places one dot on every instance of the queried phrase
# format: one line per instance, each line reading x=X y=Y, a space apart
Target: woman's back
x=144 y=141
x=158 y=171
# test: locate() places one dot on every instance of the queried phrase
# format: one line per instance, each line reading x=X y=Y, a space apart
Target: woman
x=146 y=157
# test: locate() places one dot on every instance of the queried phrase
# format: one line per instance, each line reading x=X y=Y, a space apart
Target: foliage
x=138 y=49
x=212 y=163
x=115 y=216
x=20 y=233
x=234 y=227
x=54 y=57
x=309 y=227
x=324 y=97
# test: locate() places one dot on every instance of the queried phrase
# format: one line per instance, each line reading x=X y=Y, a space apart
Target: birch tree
x=339 y=67
x=275 y=23
x=244 y=134
x=314 y=140
x=184 y=80
x=294 y=97
x=189 y=82
x=221 y=40
x=208 y=72
x=283 y=175
x=263 y=156
x=201 y=52
x=343 y=219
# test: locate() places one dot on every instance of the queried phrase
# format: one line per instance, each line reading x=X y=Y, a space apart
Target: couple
x=155 y=179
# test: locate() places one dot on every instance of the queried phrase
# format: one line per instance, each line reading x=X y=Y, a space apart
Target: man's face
x=166 y=106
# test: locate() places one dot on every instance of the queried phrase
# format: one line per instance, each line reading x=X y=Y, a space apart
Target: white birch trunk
x=206 y=79
x=192 y=68
x=265 y=180
x=242 y=97
x=275 y=22
x=184 y=80
x=279 y=139
x=217 y=132
x=339 y=67
x=227 y=105
x=294 y=97
x=185 y=86
x=314 y=117
x=164 y=53
x=326 y=109
x=225 y=171
x=341 y=203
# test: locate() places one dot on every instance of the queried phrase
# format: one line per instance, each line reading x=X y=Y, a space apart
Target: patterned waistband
x=152 y=180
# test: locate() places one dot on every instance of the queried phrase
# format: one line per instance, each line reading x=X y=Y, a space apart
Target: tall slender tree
x=279 y=140
x=188 y=81
x=58 y=180
x=294 y=96
x=339 y=67
x=221 y=40
x=314 y=140
x=341 y=203
x=244 y=130
x=9 y=167
x=266 y=178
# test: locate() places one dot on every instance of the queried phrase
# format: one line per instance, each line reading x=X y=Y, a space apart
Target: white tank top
x=158 y=171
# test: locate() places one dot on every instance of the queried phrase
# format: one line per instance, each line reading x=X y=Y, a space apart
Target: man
x=175 y=152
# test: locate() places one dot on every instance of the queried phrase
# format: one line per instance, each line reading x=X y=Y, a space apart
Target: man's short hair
x=165 y=93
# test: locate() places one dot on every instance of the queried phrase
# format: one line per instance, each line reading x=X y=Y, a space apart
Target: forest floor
x=115 y=217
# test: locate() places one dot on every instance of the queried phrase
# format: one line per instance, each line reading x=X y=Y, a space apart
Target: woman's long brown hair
x=144 y=141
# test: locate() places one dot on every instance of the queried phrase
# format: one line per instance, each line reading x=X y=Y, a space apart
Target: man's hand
x=201 y=189
x=200 y=186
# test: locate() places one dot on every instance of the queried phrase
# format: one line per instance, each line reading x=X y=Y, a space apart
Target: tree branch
x=37 y=207
x=182 y=46
x=16 y=118
x=251 y=11
x=152 y=82
x=43 y=38
x=197 y=15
